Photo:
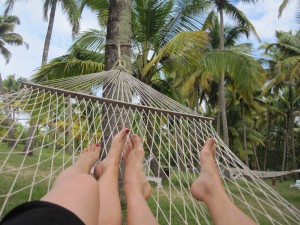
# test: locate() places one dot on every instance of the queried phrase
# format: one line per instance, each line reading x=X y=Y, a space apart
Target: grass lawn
x=42 y=168
x=290 y=194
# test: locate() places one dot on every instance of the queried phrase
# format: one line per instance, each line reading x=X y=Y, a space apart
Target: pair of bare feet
x=207 y=187
x=135 y=181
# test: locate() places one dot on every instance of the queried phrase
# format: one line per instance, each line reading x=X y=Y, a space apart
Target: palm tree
x=158 y=40
x=224 y=6
x=68 y=6
x=202 y=83
x=284 y=67
x=156 y=36
x=7 y=36
x=284 y=4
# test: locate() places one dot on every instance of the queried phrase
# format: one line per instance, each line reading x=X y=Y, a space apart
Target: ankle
x=133 y=195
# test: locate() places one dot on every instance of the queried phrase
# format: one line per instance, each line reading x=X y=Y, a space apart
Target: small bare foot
x=113 y=157
x=209 y=181
x=88 y=157
x=135 y=181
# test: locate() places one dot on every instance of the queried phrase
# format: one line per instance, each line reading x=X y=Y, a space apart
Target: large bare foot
x=209 y=181
x=113 y=157
x=135 y=182
x=88 y=157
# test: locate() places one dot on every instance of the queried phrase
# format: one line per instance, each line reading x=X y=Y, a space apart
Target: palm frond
x=46 y=6
x=4 y=52
x=71 y=8
x=14 y=39
x=210 y=20
x=186 y=47
x=186 y=15
x=148 y=19
x=91 y=39
x=234 y=33
x=240 y=17
x=245 y=48
x=9 y=6
x=282 y=7
x=246 y=72
x=66 y=68
x=100 y=7
x=80 y=53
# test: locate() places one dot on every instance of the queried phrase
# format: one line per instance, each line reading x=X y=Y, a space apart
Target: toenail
x=97 y=145
x=127 y=130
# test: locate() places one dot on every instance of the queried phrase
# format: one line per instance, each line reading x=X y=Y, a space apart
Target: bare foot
x=135 y=181
x=113 y=157
x=88 y=157
x=209 y=180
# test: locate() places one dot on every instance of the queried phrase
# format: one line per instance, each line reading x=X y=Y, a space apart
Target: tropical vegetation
x=185 y=50
x=70 y=7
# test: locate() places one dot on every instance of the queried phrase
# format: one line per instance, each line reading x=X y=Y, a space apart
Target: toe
x=119 y=140
x=94 y=148
x=209 y=149
x=121 y=136
x=137 y=144
x=136 y=141
x=118 y=143
x=128 y=148
x=89 y=148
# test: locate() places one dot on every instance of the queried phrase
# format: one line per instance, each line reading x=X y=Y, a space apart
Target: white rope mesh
x=56 y=126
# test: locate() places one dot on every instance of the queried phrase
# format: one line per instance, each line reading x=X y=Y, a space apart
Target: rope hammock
x=47 y=124
x=267 y=174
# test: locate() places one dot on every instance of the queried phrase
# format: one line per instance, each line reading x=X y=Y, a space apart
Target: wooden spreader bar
x=114 y=103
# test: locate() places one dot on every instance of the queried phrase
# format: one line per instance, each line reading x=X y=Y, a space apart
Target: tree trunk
x=267 y=141
x=196 y=96
x=291 y=127
x=8 y=120
x=49 y=33
x=284 y=149
x=219 y=117
x=51 y=128
x=150 y=138
x=118 y=33
x=246 y=158
x=221 y=95
x=70 y=140
x=255 y=156
x=222 y=103
x=28 y=148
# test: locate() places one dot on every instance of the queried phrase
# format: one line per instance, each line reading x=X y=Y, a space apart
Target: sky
x=23 y=63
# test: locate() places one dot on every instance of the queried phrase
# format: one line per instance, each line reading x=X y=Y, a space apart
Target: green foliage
x=70 y=7
x=7 y=35
x=10 y=84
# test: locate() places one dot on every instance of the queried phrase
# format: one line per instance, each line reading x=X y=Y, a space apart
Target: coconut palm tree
x=156 y=36
x=225 y=6
x=159 y=40
x=202 y=81
x=284 y=66
x=7 y=35
x=68 y=6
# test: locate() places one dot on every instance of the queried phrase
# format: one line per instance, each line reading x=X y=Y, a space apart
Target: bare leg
x=208 y=188
x=136 y=187
x=107 y=171
x=76 y=190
